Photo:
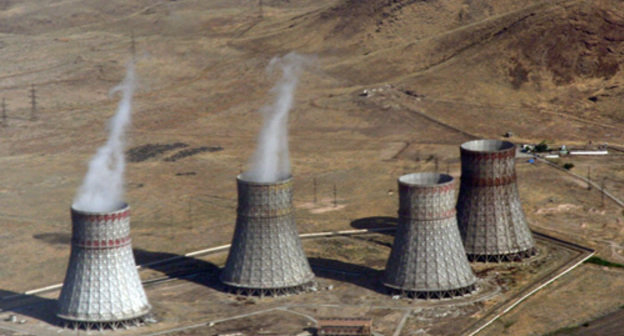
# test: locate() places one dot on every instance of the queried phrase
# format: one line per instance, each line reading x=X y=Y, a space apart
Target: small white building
x=589 y=152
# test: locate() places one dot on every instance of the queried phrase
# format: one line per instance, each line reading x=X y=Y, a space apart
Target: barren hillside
x=396 y=87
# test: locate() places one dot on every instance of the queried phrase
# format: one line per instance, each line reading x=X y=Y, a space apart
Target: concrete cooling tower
x=266 y=256
x=428 y=259
x=102 y=288
x=490 y=217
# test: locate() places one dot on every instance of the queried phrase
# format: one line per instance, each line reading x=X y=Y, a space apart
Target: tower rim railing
x=285 y=180
x=487 y=146
x=425 y=180
x=123 y=207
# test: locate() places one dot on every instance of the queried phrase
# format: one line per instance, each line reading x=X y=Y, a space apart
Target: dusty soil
x=348 y=270
x=437 y=73
x=586 y=286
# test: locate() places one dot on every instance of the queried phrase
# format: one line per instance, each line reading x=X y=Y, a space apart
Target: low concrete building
x=356 y=326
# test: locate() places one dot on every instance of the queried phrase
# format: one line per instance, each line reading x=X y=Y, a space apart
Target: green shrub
x=541 y=147
x=602 y=262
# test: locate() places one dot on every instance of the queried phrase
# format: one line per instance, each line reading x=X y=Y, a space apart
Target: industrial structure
x=490 y=217
x=266 y=256
x=102 y=288
x=355 y=326
x=428 y=259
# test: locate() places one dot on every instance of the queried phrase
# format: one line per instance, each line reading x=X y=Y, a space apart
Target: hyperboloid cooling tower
x=102 y=287
x=490 y=217
x=428 y=259
x=266 y=256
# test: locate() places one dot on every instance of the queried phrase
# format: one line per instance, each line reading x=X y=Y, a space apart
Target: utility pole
x=33 y=103
x=4 y=115
x=189 y=210
x=315 y=190
x=335 y=199
x=132 y=46
x=602 y=193
x=589 y=178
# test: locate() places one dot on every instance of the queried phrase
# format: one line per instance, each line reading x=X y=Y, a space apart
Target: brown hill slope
x=561 y=56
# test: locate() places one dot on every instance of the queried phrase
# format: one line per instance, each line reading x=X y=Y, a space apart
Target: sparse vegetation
x=568 y=165
x=562 y=331
x=541 y=147
x=204 y=79
x=148 y=151
x=192 y=151
x=507 y=323
x=602 y=262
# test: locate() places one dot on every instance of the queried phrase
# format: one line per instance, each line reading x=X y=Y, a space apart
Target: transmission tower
x=133 y=46
x=4 y=115
x=260 y=14
x=33 y=103
x=602 y=192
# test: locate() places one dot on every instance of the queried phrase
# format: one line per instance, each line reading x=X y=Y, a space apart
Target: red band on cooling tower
x=103 y=217
x=489 y=181
x=102 y=244
x=478 y=156
x=427 y=216
x=429 y=189
x=442 y=189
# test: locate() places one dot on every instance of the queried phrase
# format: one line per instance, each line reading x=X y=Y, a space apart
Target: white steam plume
x=271 y=162
x=102 y=189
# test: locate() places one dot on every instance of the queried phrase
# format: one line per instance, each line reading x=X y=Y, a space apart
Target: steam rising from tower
x=102 y=189
x=266 y=256
x=271 y=162
x=102 y=288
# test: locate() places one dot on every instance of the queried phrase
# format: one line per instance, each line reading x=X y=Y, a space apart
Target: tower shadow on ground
x=386 y=224
x=181 y=267
x=376 y=222
x=358 y=275
x=31 y=306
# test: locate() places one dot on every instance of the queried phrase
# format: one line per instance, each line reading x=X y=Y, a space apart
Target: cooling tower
x=102 y=288
x=490 y=217
x=266 y=256
x=428 y=259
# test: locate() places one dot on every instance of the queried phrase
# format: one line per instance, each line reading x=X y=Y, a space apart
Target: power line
x=132 y=46
x=33 y=102
x=602 y=193
x=4 y=115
